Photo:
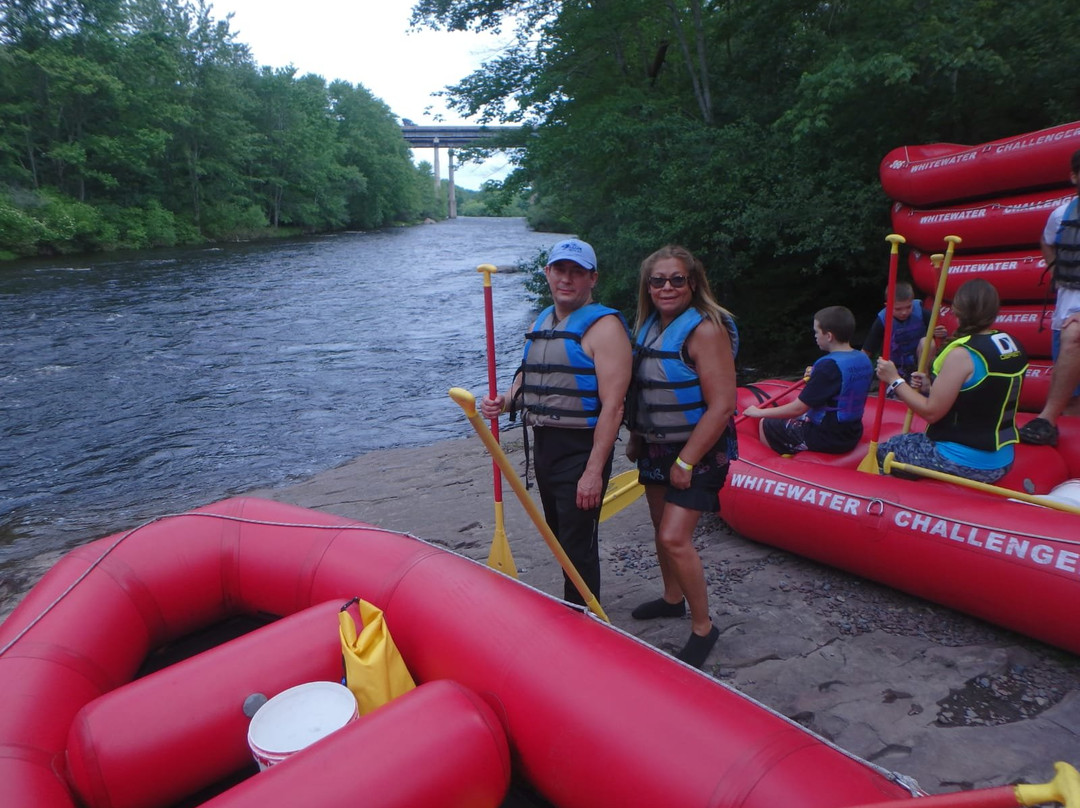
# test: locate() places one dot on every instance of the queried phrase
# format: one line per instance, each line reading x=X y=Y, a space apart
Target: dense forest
x=751 y=131
x=143 y=123
x=748 y=130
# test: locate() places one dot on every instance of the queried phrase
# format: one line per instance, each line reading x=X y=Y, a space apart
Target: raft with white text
x=512 y=685
x=937 y=173
x=1009 y=562
x=1019 y=276
x=1028 y=324
x=1003 y=223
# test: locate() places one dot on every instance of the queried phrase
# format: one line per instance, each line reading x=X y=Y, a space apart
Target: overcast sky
x=368 y=42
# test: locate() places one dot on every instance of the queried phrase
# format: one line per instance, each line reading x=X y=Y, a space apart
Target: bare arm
x=957 y=369
x=1049 y=252
x=793 y=409
x=709 y=347
x=606 y=342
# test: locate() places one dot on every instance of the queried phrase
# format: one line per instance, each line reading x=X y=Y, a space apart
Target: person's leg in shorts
x=786 y=436
x=675 y=514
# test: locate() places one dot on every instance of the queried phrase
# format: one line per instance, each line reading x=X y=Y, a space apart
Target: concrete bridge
x=449 y=138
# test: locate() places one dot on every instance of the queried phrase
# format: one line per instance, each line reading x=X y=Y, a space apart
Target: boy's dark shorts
x=654 y=468
x=785 y=435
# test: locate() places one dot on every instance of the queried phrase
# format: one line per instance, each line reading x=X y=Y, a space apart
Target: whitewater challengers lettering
x=991 y=540
x=801 y=493
x=1028 y=549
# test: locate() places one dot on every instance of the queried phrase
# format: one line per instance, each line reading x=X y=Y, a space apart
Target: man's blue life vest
x=1067 y=244
x=559 y=379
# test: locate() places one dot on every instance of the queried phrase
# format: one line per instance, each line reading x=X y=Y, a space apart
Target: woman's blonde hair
x=701 y=296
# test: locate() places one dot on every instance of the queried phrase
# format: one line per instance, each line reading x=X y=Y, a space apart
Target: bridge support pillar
x=438 y=183
x=452 y=195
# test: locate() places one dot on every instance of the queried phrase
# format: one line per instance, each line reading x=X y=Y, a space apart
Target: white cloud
x=368 y=43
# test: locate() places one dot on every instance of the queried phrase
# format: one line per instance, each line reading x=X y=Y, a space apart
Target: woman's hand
x=920 y=382
x=634 y=446
x=679 y=477
x=886 y=370
x=754 y=412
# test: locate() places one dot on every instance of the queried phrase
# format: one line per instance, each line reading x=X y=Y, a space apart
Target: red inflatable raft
x=1027 y=324
x=505 y=674
x=950 y=544
x=997 y=224
x=1019 y=276
x=945 y=172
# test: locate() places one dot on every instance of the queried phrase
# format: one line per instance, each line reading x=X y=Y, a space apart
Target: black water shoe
x=658 y=608
x=1039 y=432
x=697 y=648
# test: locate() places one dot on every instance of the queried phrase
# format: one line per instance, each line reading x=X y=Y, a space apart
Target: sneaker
x=651 y=609
x=1039 y=432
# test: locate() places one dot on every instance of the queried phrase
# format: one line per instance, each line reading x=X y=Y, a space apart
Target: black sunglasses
x=676 y=281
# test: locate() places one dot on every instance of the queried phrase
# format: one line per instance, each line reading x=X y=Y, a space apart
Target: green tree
x=384 y=189
x=751 y=132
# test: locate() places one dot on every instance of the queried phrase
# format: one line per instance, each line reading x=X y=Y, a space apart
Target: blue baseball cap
x=573 y=249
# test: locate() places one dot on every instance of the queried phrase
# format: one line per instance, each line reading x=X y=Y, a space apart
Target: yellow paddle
x=889 y=463
x=623 y=489
x=500 y=556
x=939 y=295
x=869 y=463
x=467 y=402
x=1064 y=788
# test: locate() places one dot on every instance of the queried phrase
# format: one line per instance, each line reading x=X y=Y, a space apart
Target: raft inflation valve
x=252 y=704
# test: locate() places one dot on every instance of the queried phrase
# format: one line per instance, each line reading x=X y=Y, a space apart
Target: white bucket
x=296 y=718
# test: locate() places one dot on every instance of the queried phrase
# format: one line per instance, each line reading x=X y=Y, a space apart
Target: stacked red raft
x=996 y=197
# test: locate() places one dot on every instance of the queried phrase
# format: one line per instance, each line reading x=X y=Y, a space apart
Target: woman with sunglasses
x=679 y=409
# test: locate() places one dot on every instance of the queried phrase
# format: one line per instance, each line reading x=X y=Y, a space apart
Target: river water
x=137 y=385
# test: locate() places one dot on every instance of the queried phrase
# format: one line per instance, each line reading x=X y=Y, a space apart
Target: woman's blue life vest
x=856 y=371
x=904 y=349
x=558 y=386
x=665 y=401
x=983 y=415
x=1067 y=249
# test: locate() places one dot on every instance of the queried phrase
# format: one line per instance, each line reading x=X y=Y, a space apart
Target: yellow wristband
x=683 y=464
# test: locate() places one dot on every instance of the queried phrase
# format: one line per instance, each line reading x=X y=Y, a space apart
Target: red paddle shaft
x=489 y=322
x=886 y=341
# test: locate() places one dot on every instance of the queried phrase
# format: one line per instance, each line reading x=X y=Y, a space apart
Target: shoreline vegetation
x=149 y=125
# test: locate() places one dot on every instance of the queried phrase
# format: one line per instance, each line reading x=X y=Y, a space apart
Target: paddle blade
x=869 y=463
x=623 y=490
x=500 y=557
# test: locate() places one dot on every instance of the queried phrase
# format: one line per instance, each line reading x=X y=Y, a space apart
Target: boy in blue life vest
x=910 y=321
x=827 y=415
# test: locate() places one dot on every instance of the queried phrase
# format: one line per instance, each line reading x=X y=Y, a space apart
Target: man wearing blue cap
x=572 y=383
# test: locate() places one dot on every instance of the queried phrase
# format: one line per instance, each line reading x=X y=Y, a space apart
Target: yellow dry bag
x=374 y=669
